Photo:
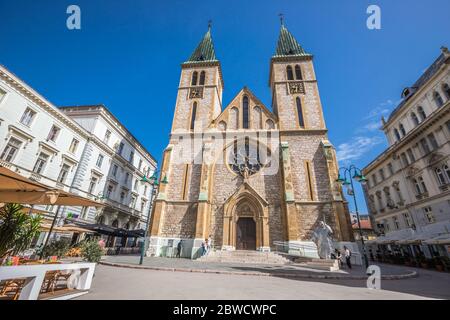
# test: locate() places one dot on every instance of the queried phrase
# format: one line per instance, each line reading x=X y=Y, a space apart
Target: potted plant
x=17 y=229
x=57 y=248
x=92 y=250
x=438 y=264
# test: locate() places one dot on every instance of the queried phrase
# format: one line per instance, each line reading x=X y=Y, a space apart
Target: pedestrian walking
x=348 y=254
x=204 y=247
x=208 y=244
x=338 y=256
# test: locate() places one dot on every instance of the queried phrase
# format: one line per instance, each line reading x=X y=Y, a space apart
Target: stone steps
x=322 y=264
x=244 y=256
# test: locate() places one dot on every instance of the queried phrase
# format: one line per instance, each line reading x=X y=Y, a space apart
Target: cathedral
x=244 y=175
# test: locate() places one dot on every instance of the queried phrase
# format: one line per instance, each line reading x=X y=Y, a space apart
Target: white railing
x=294 y=248
x=80 y=279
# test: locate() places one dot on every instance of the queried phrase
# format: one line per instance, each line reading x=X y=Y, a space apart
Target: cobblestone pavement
x=125 y=283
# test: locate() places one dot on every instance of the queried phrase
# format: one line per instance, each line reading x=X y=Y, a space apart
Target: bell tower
x=199 y=98
x=295 y=94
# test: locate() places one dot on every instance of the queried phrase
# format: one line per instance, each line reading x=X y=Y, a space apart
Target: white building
x=408 y=189
x=83 y=150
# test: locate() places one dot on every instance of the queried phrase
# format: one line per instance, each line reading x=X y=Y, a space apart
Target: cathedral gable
x=245 y=111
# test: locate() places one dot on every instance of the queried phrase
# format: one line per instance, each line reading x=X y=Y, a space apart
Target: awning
x=64 y=229
x=440 y=239
x=108 y=230
x=15 y=188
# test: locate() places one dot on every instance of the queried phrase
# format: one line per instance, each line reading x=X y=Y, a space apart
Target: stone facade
x=245 y=176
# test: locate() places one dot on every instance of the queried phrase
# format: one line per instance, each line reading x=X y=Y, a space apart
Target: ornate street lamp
x=354 y=173
x=153 y=181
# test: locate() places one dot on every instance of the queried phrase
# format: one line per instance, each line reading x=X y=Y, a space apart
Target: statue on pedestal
x=322 y=238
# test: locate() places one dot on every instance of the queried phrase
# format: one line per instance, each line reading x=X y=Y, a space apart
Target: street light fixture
x=153 y=181
x=354 y=173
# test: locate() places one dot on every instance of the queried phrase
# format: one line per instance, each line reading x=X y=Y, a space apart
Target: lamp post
x=153 y=181
x=354 y=173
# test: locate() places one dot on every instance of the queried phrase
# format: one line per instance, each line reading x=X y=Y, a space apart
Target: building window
x=390 y=168
x=120 y=150
x=84 y=213
x=143 y=203
x=245 y=112
x=122 y=196
x=414 y=118
x=140 y=164
x=438 y=99
x=447 y=171
x=92 y=185
x=298 y=72
x=374 y=179
x=202 y=78
x=428 y=213
x=309 y=179
x=433 y=142
x=133 y=202
x=396 y=224
x=145 y=191
x=301 y=120
x=107 y=136
x=99 y=161
x=194 y=78
x=397 y=134
x=422 y=114
x=40 y=163
x=440 y=176
x=193 y=115
x=131 y=156
x=127 y=177
x=404 y=159
x=73 y=146
x=53 y=134
x=109 y=191
x=290 y=74
x=27 y=117
x=11 y=150
x=419 y=185
x=63 y=173
x=402 y=129
x=445 y=88
x=425 y=146
x=135 y=187
x=114 y=170
x=381 y=173
x=2 y=94
x=411 y=155
x=408 y=220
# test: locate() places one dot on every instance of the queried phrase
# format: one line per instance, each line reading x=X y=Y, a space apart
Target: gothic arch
x=246 y=203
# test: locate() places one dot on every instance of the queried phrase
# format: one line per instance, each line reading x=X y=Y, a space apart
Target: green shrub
x=17 y=229
x=57 y=248
x=91 y=251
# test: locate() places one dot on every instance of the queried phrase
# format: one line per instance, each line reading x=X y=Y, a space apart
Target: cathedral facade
x=248 y=177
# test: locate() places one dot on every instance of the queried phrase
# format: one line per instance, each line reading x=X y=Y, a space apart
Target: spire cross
x=281 y=15
x=209 y=23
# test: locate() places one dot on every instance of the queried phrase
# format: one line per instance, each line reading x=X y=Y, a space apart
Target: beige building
x=408 y=190
x=243 y=174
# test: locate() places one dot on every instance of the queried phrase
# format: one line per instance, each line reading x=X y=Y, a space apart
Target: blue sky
x=128 y=53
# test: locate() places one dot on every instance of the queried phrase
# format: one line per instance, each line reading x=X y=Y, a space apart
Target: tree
x=17 y=229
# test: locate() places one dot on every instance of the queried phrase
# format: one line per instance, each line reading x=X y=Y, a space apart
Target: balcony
x=422 y=196
x=122 y=207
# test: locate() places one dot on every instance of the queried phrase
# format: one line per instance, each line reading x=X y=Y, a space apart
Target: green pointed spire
x=287 y=45
x=205 y=50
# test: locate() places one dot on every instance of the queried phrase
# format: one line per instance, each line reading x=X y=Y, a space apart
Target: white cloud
x=356 y=148
x=383 y=109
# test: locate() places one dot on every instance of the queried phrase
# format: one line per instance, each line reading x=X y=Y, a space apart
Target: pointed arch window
x=446 y=89
x=414 y=118
x=245 y=112
x=402 y=130
x=290 y=74
x=438 y=99
x=301 y=120
x=193 y=115
x=421 y=113
x=194 y=78
x=298 y=72
x=202 y=78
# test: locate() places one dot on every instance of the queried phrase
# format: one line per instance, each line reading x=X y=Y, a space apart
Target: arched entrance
x=246 y=234
x=245 y=223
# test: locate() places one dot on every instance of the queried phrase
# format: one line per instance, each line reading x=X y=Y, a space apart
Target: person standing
x=179 y=247
x=348 y=254
x=208 y=244
x=338 y=256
